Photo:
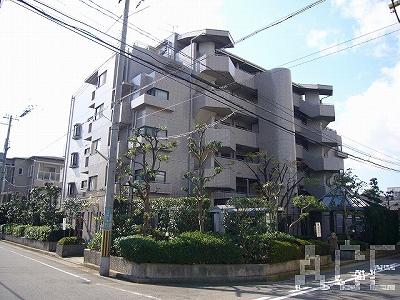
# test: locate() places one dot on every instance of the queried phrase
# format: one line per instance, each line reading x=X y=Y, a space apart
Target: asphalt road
x=25 y=274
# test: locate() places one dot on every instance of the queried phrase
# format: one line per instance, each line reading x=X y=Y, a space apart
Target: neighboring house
x=393 y=203
x=23 y=174
x=252 y=109
x=333 y=220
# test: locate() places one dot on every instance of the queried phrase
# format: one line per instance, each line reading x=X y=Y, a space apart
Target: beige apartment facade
x=192 y=79
x=22 y=174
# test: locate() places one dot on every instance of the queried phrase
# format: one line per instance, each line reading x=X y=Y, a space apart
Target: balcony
x=48 y=176
x=161 y=188
x=149 y=100
x=221 y=70
x=218 y=67
x=319 y=163
x=231 y=136
x=238 y=167
x=315 y=111
x=224 y=180
x=325 y=136
x=221 y=105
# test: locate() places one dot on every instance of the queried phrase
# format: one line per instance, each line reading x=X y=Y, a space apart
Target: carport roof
x=334 y=200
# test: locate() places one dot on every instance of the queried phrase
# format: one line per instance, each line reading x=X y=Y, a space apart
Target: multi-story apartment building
x=190 y=78
x=24 y=174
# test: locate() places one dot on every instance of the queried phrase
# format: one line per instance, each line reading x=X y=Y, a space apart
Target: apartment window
x=90 y=128
x=20 y=171
x=226 y=155
x=159 y=176
x=93 y=95
x=87 y=151
x=158 y=93
x=71 y=189
x=74 y=160
x=109 y=137
x=102 y=79
x=76 y=134
x=98 y=113
x=92 y=183
x=240 y=157
x=86 y=161
x=84 y=184
x=152 y=131
x=30 y=171
x=95 y=146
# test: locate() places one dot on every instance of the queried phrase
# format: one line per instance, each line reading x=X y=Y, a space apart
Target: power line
x=278 y=22
x=158 y=67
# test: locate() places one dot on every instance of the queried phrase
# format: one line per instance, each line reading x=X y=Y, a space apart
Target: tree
x=73 y=208
x=46 y=197
x=277 y=181
x=202 y=153
x=348 y=187
x=373 y=193
x=305 y=204
x=177 y=215
x=16 y=210
x=149 y=151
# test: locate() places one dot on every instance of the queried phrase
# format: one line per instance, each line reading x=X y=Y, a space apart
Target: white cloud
x=369 y=16
x=372 y=118
x=319 y=39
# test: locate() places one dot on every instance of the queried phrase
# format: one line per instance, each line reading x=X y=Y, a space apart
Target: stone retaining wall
x=46 y=246
x=152 y=273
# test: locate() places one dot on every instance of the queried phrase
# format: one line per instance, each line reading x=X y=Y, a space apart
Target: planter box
x=46 y=246
x=70 y=250
x=167 y=273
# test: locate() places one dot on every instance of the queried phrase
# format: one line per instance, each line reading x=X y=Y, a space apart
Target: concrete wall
x=46 y=246
x=152 y=273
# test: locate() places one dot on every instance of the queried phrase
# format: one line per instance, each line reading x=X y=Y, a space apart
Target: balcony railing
x=48 y=176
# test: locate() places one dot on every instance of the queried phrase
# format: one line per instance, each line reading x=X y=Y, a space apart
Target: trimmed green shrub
x=187 y=248
x=203 y=248
x=7 y=228
x=321 y=247
x=18 y=230
x=284 y=251
x=43 y=233
x=256 y=247
x=139 y=249
x=71 y=240
x=95 y=242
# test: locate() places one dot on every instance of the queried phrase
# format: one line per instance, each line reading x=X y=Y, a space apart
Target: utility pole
x=112 y=159
x=392 y=6
x=6 y=147
x=3 y=161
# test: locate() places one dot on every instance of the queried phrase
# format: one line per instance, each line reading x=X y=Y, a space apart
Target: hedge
x=282 y=251
x=43 y=233
x=187 y=248
x=71 y=240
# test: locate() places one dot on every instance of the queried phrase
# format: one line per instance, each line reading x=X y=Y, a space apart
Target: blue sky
x=350 y=44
